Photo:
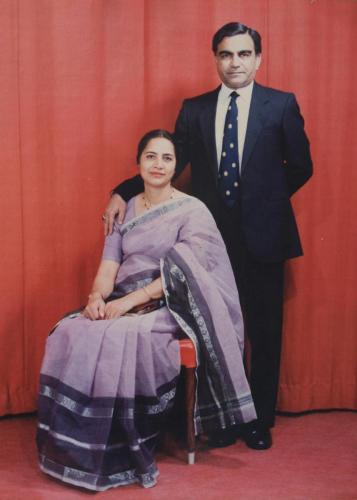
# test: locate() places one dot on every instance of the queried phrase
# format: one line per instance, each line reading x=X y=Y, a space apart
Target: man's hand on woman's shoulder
x=115 y=207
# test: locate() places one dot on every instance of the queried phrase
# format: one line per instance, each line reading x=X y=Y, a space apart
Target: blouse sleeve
x=113 y=245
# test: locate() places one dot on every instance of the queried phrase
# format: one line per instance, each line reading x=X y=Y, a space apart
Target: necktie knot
x=234 y=95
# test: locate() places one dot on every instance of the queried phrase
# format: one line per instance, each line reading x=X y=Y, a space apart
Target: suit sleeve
x=296 y=147
x=182 y=139
x=129 y=188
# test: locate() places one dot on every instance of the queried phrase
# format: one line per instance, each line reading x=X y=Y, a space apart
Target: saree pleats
x=100 y=408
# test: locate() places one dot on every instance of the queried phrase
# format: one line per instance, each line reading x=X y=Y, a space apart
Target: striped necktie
x=229 y=166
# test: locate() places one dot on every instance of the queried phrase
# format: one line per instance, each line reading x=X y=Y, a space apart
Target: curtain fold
x=82 y=80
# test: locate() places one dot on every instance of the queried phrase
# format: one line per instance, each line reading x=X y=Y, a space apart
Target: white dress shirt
x=243 y=104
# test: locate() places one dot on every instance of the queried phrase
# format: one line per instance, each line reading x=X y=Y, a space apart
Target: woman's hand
x=118 y=307
x=95 y=309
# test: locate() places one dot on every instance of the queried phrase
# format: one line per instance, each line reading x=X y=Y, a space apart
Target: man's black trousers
x=260 y=286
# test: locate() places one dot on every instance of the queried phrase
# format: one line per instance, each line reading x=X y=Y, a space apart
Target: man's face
x=237 y=61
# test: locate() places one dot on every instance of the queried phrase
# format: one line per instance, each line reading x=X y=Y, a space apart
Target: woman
x=109 y=373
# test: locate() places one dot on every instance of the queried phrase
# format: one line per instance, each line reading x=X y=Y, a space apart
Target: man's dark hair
x=153 y=134
x=232 y=29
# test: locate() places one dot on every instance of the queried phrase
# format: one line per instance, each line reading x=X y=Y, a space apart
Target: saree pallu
x=106 y=385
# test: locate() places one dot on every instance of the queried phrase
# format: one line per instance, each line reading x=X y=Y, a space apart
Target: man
x=249 y=153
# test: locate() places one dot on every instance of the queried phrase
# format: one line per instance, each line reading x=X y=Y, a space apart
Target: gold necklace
x=148 y=204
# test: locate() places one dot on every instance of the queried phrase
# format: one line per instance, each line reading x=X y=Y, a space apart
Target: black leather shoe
x=221 y=439
x=258 y=439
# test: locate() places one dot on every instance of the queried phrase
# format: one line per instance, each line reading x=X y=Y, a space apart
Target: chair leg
x=190 y=404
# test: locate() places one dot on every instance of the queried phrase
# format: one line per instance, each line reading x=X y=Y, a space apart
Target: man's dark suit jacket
x=276 y=162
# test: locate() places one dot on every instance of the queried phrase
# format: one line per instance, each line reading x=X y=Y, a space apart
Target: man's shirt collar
x=244 y=92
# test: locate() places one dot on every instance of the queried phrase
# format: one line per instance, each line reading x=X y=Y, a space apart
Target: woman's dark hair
x=153 y=134
x=232 y=29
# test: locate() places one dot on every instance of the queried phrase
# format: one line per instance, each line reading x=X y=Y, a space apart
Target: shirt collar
x=245 y=93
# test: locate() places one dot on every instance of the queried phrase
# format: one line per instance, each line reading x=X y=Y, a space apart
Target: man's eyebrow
x=225 y=52
x=243 y=51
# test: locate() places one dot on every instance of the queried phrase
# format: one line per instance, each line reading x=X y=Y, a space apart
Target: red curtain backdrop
x=81 y=80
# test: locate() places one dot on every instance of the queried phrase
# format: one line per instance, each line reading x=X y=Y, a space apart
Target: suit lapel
x=207 y=124
x=257 y=115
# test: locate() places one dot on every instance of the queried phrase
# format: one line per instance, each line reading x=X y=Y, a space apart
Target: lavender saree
x=106 y=385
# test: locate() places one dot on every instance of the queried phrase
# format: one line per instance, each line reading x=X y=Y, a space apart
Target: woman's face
x=157 y=162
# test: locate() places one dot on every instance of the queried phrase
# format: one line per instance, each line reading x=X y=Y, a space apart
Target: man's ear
x=258 y=61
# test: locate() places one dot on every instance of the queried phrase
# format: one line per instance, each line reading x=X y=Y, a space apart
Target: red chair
x=188 y=361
